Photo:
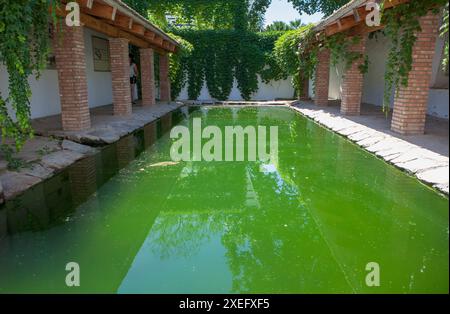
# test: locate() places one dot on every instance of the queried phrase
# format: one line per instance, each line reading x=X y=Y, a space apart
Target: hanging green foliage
x=24 y=45
x=219 y=57
x=178 y=66
x=340 y=51
x=402 y=25
x=295 y=53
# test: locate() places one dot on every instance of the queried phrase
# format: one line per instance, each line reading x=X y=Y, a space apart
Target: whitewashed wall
x=273 y=90
x=45 y=92
x=45 y=99
x=99 y=83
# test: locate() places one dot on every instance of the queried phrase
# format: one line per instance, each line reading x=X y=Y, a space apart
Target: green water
x=307 y=222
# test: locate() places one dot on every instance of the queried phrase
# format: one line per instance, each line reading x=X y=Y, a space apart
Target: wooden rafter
x=107 y=19
x=357 y=17
x=122 y=21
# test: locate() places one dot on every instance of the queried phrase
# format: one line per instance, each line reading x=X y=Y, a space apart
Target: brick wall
x=70 y=59
x=322 y=78
x=120 y=74
x=353 y=81
x=164 y=81
x=410 y=104
x=147 y=77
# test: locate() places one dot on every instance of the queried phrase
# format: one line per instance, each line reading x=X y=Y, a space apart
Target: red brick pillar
x=322 y=77
x=164 y=81
x=353 y=81
x=70 y=60
x=147 y=77
x=120 y=73
x=410 y=104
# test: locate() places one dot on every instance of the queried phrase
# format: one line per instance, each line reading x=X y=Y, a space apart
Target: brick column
x=410 y=105
x=120 y=73
x=70 y=60
x=164 y=81
x=353 y=81
x=147 y=77
x=322 y=78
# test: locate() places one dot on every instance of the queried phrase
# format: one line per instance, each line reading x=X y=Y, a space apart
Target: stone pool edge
x=71 y=150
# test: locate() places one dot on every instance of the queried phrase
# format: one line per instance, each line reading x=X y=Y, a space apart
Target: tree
x=296 y=24
x=278 y=26
x=326 y=7
x=206 y=14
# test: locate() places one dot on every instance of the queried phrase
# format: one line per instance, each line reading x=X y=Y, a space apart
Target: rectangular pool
x=309 y=221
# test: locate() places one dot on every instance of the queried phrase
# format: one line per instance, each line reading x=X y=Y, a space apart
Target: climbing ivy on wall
x=296 y=53
x=340 y=51
x=24 y=47
x=402 y=25
x=217 y=57
x=179 y=66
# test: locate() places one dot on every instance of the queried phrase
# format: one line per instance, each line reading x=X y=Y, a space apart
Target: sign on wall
x=100 y=48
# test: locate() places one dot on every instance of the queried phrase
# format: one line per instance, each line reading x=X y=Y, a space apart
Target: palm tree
x=278 y=26
x=296 y=24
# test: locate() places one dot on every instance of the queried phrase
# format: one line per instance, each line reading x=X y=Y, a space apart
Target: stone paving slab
x=429 y=167
x=40 y=165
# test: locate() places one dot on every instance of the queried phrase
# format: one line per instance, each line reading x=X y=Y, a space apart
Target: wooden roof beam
x=97 y=9
x=150 y=35
x=109 y=21
x=138 y=29
x=357 y=17
x=158 y=40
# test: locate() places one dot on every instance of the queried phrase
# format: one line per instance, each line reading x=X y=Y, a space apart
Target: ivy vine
x=218 y=57
x=179 y=66
x=24 y=45
x=296 y=53
x=340 y=51
x=402 y=25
